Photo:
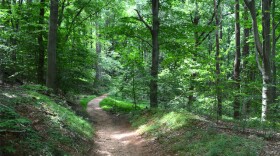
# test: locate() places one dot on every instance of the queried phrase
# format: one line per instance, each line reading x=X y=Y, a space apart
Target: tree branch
x=12 y=131
x=140 y=39
x=84 y=19
x=209 y=23
x=251 y=6
x=203 y=39
x=140 y=18
x=258 y=62
x=276 y=26
x=277 y=38
x=60 y=18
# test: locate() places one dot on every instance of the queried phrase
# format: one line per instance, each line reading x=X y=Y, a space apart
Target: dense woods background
x=214 y=58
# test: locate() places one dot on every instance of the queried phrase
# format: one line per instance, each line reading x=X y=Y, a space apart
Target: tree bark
x=273 y=52
x=264 y=51
x=52 y=41
x=267 y=77
x=217 y=58
x=245 y=54
x=41 y=59
x=155 y=55
x=236 y=71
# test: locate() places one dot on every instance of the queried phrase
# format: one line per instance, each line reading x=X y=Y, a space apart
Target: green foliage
x=86 y=99
x=37 y=124
x=117 y=106
x=187 y=134
x=63 y=116
x=201 y=142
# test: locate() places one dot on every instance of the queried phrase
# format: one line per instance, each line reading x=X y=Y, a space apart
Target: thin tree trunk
x=98 y=47
x=245 y=54
x=134 y=85
x=155 y=55
x=273 y=52
x=41 y=59
x=236 y=72
x=193 y=75
x=52 y=41
x=218 y=70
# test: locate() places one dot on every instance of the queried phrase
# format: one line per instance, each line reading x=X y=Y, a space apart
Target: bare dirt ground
x=115 y=137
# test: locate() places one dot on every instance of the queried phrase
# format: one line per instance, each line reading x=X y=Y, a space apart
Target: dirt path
x=115 y=137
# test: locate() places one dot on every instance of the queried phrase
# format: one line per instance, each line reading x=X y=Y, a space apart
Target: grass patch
x=85 y=100
x=183 y=133
x=118 y=106
x=62 y=115
x=35 y=122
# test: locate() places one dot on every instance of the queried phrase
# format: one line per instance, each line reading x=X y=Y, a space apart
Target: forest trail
x=115 y=137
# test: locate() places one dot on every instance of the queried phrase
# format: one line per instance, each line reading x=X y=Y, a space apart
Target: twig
x=12 y=131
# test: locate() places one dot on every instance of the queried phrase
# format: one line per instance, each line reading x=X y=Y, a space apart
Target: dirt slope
x=115 y=137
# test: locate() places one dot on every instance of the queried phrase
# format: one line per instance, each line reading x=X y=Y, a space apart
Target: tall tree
x=217 y=58
x=154 y=30
x=199 y=38
x=97 y=77
x=52 y=41
x=245 y=54
x=41 y=58
x=155 y=55
x=263 y=51
x=236 y=71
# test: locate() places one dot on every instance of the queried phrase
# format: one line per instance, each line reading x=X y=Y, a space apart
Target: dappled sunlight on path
x=115 y=137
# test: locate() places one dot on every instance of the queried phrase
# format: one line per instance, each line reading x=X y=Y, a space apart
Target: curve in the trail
x=115 y=137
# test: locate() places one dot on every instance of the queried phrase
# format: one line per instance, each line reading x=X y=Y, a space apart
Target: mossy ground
x=36 y=122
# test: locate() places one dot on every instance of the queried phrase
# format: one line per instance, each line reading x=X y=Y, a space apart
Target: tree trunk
x=267 y=78
x=98 y=47
x=217 y=58
x=236 y=72
x=193 y=75
x=155 y=55
x=245 y=54
x=273 y=52
x=41 y=59
x=264 y=51
x=52 y=41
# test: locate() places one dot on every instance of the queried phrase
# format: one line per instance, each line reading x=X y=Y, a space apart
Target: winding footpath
x=115 y=137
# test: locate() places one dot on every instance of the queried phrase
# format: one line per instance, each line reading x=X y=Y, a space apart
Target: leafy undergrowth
x=35 y=122
x=118 y=106
x=182 y=133
x=84 y=100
